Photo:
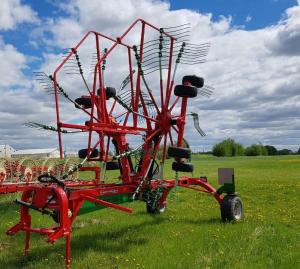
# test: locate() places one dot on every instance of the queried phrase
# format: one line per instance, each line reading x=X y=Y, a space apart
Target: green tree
x=271 y=150
x=228 y=148
x=284 y=152
x=256 y=150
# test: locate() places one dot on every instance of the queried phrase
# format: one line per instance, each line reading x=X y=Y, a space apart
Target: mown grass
x=189 y=234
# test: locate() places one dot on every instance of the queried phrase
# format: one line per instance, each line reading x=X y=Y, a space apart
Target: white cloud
x=255 y=73
x=248 y=18
x=12 y=13
x=12 y=64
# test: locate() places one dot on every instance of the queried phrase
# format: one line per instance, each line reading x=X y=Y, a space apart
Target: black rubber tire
x=185 y=91
x=182 y=167
x=157 y=210
x=177 y=152
x=110 y=92
x=195 y=81
x=113 y=165
x=83 y=153
x=232 y=208
x=85 y=102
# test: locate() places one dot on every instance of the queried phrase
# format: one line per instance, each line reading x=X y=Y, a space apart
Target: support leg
x=27 y=243
x=68 y=251
x=27 y=238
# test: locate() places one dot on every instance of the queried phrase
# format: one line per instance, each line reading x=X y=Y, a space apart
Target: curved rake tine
x=196 y=123
x=188 y=63
x=40 y=126
x=126 y=81
x=177 y=30
x=206 y=91
x=176 y=26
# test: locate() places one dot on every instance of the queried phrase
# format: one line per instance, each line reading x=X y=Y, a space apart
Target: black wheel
x=110 y=92
x=83 y=153
x=232 y=208
x=195 y=81
x=113 y=165
x=185 y=91
x=84 y=102
x=182 y=167
x=179 y=152
x=156 y=210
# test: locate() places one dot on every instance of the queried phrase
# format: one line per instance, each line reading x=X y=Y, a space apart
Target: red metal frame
x=68 y=200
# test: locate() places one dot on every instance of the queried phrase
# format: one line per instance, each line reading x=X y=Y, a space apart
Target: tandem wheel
x=156 y=210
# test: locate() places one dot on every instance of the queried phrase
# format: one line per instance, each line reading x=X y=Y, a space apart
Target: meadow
x=190 y=234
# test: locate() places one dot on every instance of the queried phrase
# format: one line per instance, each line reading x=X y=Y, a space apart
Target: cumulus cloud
x=255 y=73
x=287 y=37
x=12 y=64
x=13 y=12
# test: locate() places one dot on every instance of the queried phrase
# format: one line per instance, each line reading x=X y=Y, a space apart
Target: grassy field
x=189 y=234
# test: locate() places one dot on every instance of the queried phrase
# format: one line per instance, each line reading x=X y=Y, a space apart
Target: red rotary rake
x=137 y=110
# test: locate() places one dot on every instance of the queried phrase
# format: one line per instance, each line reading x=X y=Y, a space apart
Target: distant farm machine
x=142 y=112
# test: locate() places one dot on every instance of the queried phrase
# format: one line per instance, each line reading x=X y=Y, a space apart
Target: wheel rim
x=237 y=210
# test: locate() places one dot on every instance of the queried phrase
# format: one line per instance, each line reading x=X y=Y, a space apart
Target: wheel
x=182 y=167
x=231 y=208
x=82 y=154
x=179 y=152
x=185 y=91
x=195 y=81
x=157 y=210
x=84 y=102
x=113 y=165
x=110 y=92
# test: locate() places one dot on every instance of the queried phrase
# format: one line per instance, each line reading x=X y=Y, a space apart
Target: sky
x=253 y=64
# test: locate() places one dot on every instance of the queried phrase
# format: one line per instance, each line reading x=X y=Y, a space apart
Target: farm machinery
x=148 y=115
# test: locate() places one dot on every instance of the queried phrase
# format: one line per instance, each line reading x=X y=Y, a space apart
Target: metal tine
x=154 y=70
x=156 y=44
x=165 y=49
x=165 y=43
x=177 y=26
x=197 y=45
x=206 y=91
x=182 y=37
x=154 y=60
x=126 y=100
x=40 y=126
x=45 y=82
x=194 y=55
x=196 y=123
x=203 y=93
x=193 y=60
x=177 y=30
x=193 y=63
x=194 y=51
x=148 y=67
x=198 y=48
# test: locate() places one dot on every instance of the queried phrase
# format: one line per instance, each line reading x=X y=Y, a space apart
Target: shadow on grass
x=117 y=241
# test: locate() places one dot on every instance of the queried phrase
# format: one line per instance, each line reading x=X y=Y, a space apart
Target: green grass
x=189 y=234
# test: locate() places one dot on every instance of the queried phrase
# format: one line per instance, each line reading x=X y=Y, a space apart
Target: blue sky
x=260 y=13
x=253 y=63
x=248 y=14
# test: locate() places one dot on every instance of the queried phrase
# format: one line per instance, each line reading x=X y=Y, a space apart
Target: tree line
x=229 y=147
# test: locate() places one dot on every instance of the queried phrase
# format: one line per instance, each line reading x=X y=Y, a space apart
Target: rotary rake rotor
x=132 y=115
